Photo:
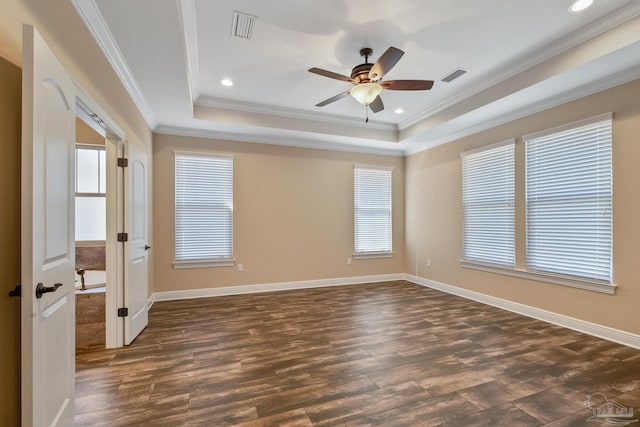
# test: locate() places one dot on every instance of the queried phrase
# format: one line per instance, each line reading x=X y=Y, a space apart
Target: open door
x=48 y=258
x=137 y=246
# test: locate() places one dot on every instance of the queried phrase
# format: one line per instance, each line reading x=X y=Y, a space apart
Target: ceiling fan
x=367 y=80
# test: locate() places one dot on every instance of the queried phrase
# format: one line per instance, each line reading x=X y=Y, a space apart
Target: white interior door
x=48 y=257
x=136 y=250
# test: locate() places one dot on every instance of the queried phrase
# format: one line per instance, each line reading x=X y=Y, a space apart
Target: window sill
x=370 y=255
x=590 y=285
x=205 y=263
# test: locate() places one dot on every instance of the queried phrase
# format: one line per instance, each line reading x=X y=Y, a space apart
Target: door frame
x=91 y=113
x=69 y=103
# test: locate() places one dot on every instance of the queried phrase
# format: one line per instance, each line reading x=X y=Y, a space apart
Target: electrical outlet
x=349 y=261
x=240 y=267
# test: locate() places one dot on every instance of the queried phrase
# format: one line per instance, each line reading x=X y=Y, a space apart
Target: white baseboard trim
x=600 y=331
x=270 y=287
x=621 y=337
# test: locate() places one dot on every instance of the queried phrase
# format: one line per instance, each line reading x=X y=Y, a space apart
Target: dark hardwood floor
x=383 y=354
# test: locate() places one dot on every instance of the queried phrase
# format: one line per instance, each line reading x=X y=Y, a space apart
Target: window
x=569 y=189
x=204 y=210
x=91 y=177
x=488 y=205
x=372 y=211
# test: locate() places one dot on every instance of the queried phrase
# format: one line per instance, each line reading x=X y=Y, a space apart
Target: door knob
x=42 y=289
x=147 y=247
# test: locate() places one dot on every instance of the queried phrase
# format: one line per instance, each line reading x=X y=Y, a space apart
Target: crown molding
x=617 y=79
x=585 y=90
x=93 y=19
x=289 y=141
x=188 y=22
x=531 y=59
x=272 y=110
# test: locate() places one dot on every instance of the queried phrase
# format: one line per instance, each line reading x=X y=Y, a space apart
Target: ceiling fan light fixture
x=365 y=93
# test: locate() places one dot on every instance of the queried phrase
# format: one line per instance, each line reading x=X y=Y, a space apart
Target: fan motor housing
x=360 y=73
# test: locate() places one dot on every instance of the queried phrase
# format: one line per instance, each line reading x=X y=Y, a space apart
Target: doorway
x=98 y=283
x=112 y=236
x=51 y=102
x=90 y=235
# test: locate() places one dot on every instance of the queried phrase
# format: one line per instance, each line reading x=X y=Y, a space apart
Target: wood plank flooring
x=382 y=354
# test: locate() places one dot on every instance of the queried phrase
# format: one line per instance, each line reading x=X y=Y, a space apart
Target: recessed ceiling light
x=226 y=82
x=398 y=110
x=579 y=5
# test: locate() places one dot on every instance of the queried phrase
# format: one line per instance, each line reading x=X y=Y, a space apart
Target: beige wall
x=293 y=215
x=86 y=135
x=65 y=33
x=10 y=113
x=434 y=215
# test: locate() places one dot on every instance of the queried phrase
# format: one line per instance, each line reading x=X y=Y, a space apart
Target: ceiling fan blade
x=407 y=84
x=376 y=105
x=332 y=99
x=330 y=74
x=385 y=63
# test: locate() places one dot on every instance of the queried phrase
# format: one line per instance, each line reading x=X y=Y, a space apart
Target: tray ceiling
x=521 y=56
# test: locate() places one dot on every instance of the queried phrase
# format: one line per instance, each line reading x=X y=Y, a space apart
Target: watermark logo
x=608 y=412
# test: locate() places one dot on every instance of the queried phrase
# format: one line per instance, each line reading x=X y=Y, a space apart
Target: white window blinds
x=488 y=205
x=569 y=189
x=372 y=210
x=204 y=207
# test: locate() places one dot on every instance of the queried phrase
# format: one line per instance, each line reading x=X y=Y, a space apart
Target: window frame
x=88 y=195
x=225 y=261
x=530 y=139
x=505 y=207
x=520 y=270
x=369 y=254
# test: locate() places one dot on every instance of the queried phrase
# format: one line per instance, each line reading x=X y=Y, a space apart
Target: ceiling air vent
x=454 y=75
x=242 y=25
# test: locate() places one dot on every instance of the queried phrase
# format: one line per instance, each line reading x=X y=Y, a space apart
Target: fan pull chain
x=366 y=112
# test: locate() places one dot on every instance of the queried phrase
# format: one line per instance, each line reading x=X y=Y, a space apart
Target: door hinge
x=123 y=237
x=16 y=292
x=123 y=312
x=123 y=162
